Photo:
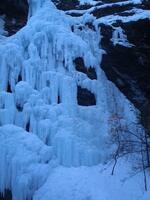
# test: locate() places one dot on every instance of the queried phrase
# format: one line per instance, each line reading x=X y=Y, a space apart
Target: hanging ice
x=120 y=38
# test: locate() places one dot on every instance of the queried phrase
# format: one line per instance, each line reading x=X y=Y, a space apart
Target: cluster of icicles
x=42 y=124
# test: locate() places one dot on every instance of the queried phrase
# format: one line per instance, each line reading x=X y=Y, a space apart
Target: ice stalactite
x=22 y=163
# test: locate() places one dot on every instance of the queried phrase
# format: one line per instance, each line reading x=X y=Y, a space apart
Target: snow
x=94 y=183
x=50 y=147
x=106 y=5
x=139 y=14
x=90 y=2
x=22 y=166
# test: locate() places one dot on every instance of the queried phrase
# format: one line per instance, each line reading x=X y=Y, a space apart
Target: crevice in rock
x=28 y=126
x=19 y=78
x=85 y=97
x=80 y=66
x=66 y=4
x=15 y=12
x=58 y=101
x=9 y=88
x=19 y=108
x=6 y=196
x=129 y=68
x=111 y=10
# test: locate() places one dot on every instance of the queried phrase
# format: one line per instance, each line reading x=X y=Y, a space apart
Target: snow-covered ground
x=50 y=147
x=94 y=183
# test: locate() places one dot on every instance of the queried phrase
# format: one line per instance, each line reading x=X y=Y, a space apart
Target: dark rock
x=146 y=4
x=16 y=12
x=6 y=196
x=85 y=97
x=9 y=88
x=19 y=78
x=79 y=64
x=14 y=7
x=129 y=65
x=28 y=126
x=116 y=9
x=128 y=68
x=66 y=4
x=19 y=108
x=70 y=5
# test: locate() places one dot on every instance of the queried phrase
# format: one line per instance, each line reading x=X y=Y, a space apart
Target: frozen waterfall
x=42 y=125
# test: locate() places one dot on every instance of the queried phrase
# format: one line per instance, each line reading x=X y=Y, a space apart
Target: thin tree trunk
x=144 y=172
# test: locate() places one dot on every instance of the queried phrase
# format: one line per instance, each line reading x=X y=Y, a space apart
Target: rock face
x=15 y=13
x=127 y=66
x=133 y=74
x=7 y=195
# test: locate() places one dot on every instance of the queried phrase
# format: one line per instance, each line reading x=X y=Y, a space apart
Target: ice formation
x=120 y=38
x=2 y=24
x=23 y=158
x=41 y=120
x=91 y=2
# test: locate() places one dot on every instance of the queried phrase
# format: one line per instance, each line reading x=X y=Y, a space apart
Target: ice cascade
x=41 y=121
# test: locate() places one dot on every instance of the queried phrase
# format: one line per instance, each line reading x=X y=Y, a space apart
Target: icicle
x=21 y=153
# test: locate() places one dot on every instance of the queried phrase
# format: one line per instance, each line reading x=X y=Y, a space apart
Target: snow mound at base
x=23 y=157
x=94 y=183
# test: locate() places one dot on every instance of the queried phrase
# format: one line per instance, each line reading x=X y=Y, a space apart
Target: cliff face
x=58 y=110
x=15 y=13
x=127 y=66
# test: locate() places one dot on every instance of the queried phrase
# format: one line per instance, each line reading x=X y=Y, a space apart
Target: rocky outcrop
x=15 y=13
x=127 y=66
x=6 y=196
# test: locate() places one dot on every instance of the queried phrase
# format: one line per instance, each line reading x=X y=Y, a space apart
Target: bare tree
x=136 y=141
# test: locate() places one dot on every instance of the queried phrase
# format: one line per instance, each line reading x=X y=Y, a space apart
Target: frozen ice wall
x=39 y=110
x=39 y=85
